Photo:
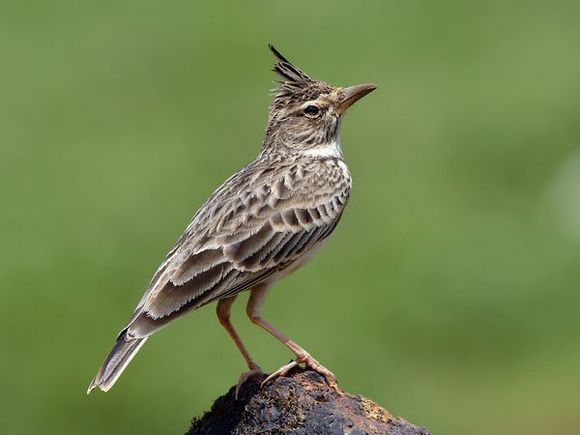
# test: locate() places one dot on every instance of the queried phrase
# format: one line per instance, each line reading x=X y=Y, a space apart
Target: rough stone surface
x=300 y=404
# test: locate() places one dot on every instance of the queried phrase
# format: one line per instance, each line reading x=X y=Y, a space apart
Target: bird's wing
x=260 y=221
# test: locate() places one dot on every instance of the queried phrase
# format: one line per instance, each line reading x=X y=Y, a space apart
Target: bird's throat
x=332 y=149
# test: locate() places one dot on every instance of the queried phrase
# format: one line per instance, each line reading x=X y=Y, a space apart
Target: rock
x=300 y=404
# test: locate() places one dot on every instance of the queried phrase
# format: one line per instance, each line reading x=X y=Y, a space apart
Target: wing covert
x=242 y=236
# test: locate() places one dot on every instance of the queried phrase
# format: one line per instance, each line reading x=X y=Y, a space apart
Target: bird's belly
x=298 y=263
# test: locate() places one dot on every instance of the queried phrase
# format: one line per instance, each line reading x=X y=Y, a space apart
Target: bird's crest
x=289 y=72
x=296 y=84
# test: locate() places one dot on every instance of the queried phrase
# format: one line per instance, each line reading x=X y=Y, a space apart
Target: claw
x=320 y=369
x=247 y=375
x=309 y=362
x=282 y=371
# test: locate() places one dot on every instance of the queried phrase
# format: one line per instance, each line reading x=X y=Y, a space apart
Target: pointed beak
x=352 y=94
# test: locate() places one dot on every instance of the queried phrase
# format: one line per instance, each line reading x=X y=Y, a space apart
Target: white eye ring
x=311 y=111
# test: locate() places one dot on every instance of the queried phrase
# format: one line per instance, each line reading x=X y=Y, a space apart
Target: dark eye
x=311 y=111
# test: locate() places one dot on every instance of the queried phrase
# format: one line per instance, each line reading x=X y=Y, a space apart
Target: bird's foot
x=247 y=375
x=282 y=371
x=309 y=362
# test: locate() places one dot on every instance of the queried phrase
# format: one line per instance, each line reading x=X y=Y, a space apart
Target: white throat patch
x=332 y=149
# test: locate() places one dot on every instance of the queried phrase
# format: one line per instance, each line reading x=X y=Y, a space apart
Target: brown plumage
x=261 y=224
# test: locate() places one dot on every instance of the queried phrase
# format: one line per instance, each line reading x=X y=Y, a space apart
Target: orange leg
x=254 y=310
x=223 y=311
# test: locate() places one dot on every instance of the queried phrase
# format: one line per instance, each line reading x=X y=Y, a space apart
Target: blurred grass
x=449 y=293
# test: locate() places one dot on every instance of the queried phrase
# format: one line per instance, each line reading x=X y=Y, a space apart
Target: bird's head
x=306 y=113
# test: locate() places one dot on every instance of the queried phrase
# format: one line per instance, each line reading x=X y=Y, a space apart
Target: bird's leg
x=223 y=311
x=254 y=310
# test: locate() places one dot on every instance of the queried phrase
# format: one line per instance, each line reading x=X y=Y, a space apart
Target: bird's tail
x=119 y=358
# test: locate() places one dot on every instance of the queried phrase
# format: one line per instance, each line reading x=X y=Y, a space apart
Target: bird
x=262 y=223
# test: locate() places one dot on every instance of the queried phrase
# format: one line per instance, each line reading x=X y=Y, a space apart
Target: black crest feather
x=288 y=71
x=297 y=86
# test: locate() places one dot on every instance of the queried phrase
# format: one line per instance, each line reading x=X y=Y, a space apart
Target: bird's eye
x=311 y=111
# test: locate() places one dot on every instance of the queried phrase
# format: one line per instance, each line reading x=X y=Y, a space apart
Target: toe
x=282 y=371
x=319 y=368
x=247 y=375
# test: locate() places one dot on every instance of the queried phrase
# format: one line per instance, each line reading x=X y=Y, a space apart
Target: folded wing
x=240 y=238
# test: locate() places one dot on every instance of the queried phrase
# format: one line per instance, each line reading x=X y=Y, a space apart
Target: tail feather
x=119 y=358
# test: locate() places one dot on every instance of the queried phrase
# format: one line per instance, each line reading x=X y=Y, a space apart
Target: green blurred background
x=449 y=294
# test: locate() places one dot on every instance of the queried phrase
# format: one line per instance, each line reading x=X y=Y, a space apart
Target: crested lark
x=264 y=222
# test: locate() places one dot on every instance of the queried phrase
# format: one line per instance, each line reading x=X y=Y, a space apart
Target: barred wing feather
x=255 y=234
